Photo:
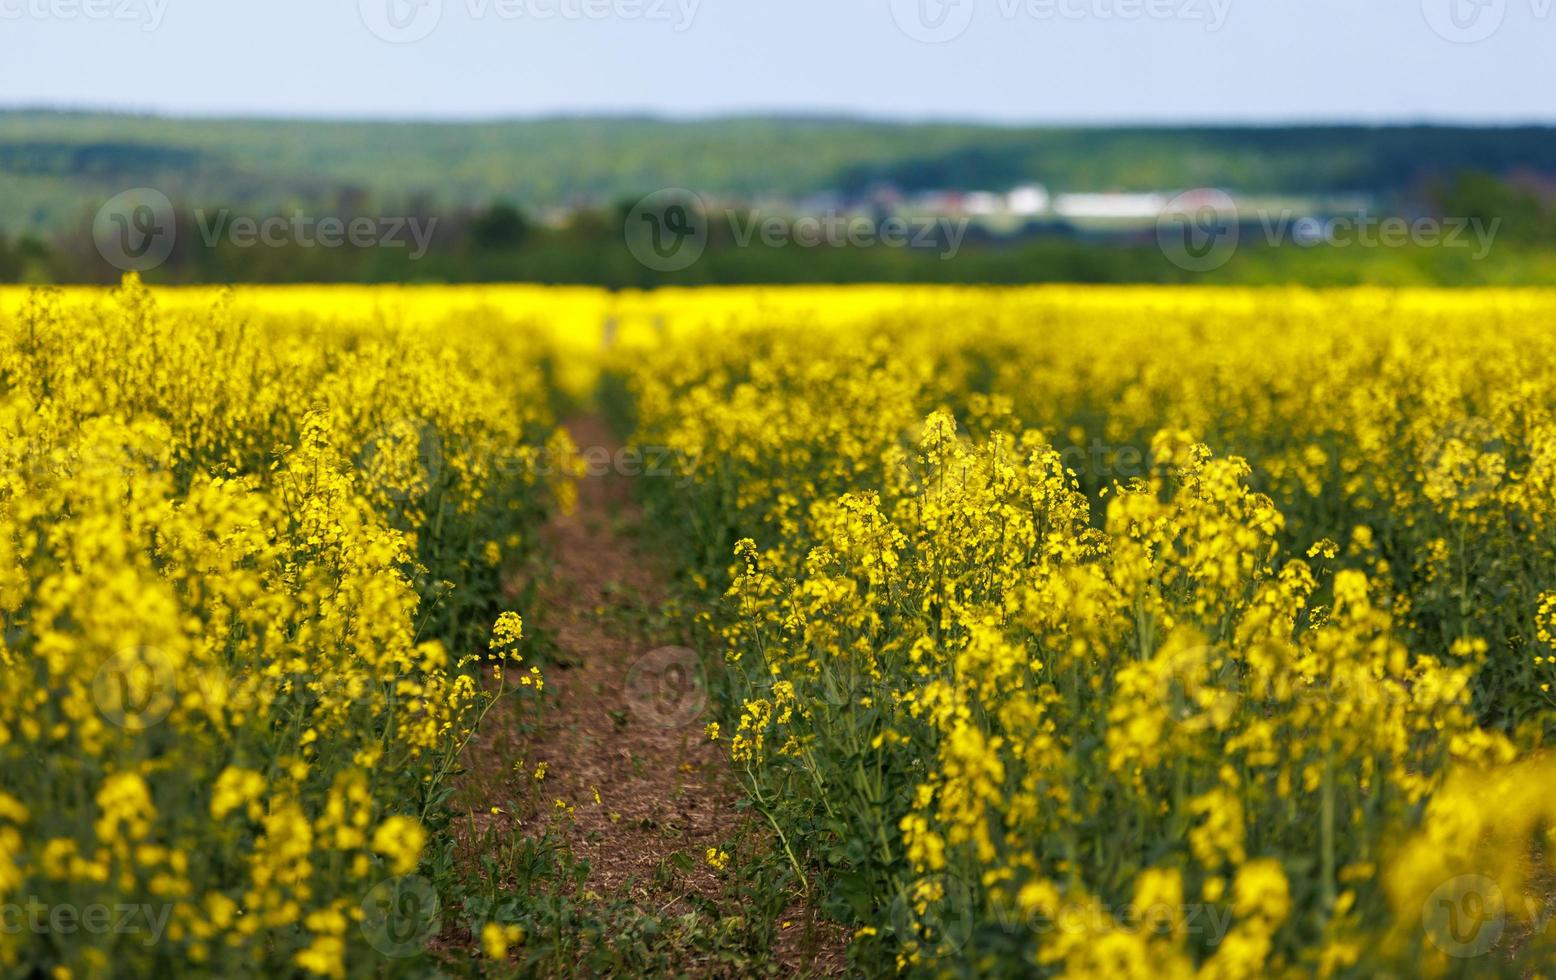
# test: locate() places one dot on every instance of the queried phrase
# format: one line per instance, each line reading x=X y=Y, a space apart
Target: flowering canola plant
x=247 y=558
x=1135 y=632
x=1065 y=632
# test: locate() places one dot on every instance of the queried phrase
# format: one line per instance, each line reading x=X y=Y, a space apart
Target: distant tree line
x=52 y=161
x=502 y=243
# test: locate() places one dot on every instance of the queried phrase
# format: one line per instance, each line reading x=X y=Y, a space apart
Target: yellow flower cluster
x=1073 y=632
x=1127 y=632
x=236 y=547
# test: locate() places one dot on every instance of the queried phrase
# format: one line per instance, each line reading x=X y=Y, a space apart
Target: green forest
x=495 y=188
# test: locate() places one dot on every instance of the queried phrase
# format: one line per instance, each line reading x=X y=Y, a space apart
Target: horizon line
x=819 y=115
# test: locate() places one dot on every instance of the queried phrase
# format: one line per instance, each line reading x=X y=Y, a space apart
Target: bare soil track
x=619 y=722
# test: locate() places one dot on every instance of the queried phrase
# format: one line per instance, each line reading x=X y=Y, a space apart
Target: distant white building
x=982 y=204
x=1027 y=201
x=1110 y=206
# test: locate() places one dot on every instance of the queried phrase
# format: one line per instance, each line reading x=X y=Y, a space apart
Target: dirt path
x=625 y=719
x=627 y=714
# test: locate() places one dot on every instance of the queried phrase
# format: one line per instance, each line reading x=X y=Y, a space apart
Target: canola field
x=1057 y=632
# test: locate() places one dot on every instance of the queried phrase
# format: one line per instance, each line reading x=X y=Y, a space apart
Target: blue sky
x=1160 y=61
